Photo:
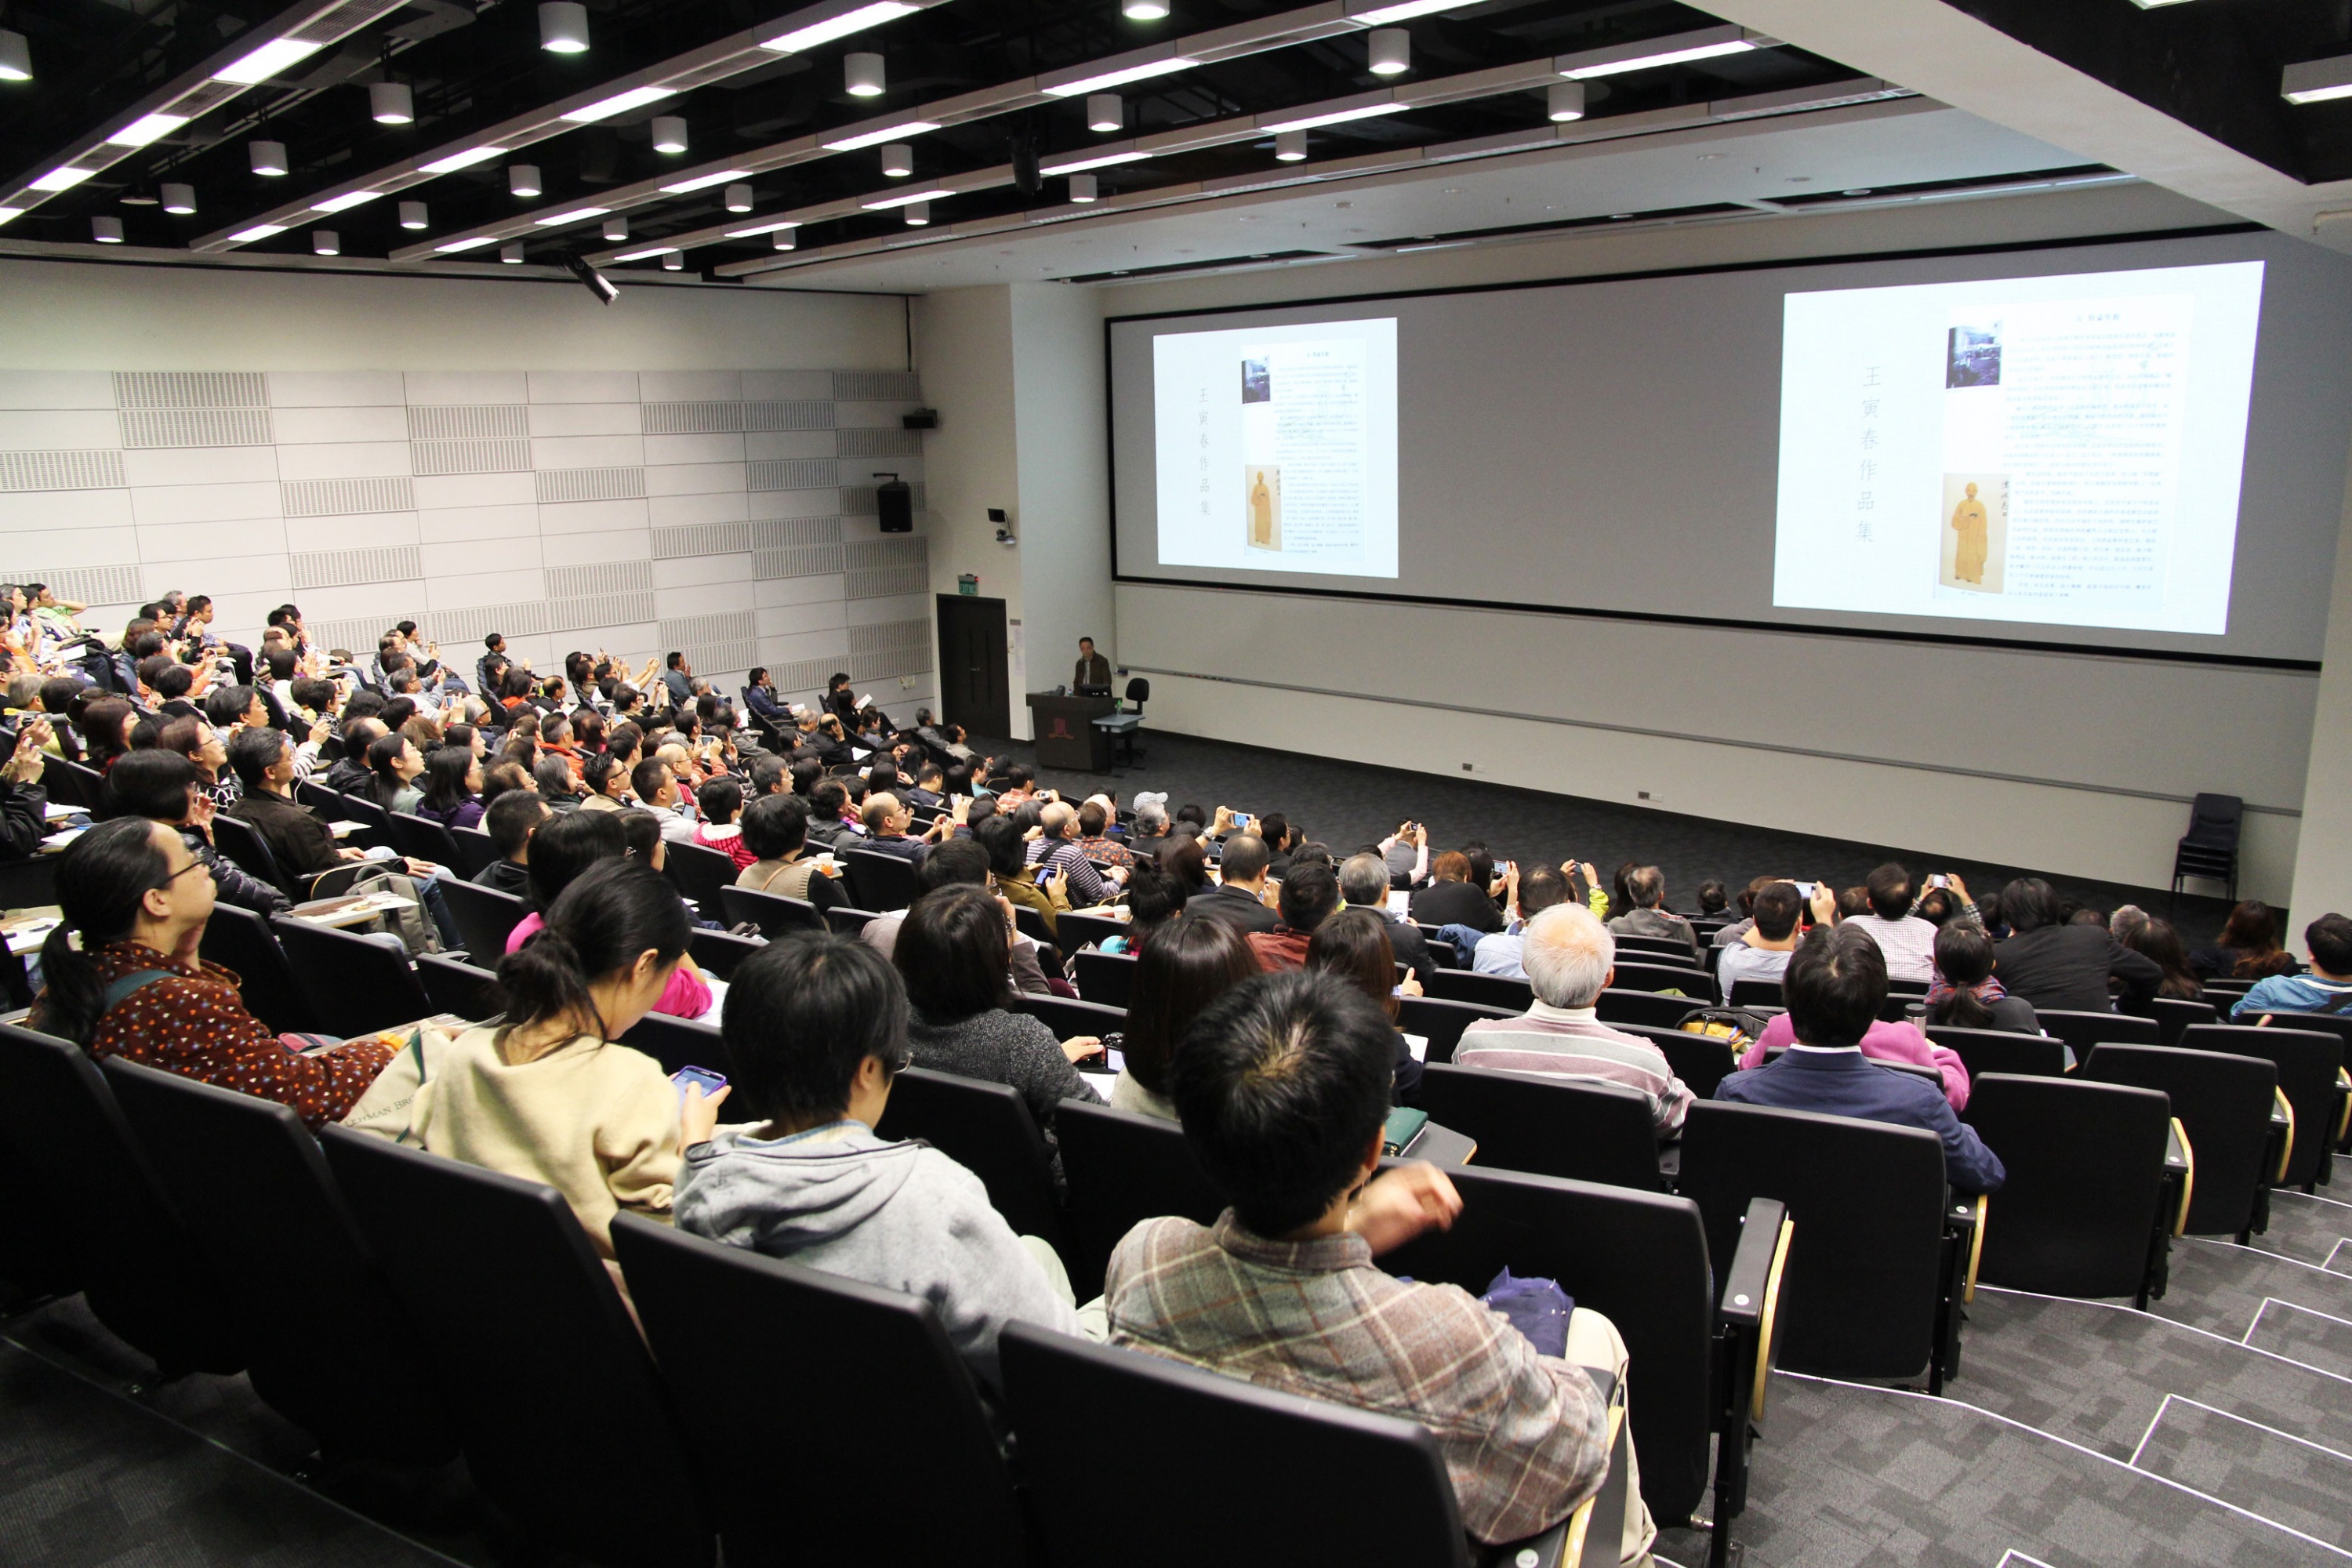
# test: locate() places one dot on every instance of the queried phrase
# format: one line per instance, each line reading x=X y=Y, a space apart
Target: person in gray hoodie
x=816 y=1028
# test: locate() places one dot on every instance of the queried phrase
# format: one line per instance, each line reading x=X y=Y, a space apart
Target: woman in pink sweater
x=1887 y=1042
x=565 y=845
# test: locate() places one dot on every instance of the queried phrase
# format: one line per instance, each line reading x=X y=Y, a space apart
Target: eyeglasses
x=191 y=865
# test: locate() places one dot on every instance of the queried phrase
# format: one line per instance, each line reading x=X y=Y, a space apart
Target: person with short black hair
x=1308 y=897
x=1527 y=894
x=720 y=802
x=929 y=788
x=1016 y=880
x=1282 y=1088
x=2054 y=964
x=1184 y=966
x=164 y=786
x=1773 y=930
x=1453 y=896
x=513 y=818
x=655 y=787
x=816 y=1027
x=1835 y=986
x=2327 y=989
x=1907 y=941
x=1239 y=894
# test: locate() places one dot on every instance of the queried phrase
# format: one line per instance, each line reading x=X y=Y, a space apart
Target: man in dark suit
x=1092 y=668
x=1834 y=986
x=1364 y=881
x=1239 y=897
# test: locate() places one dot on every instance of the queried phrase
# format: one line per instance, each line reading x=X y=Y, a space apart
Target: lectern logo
x=1061 y=730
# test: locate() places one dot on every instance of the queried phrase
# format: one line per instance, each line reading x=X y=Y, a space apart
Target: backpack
x=1735 y=1027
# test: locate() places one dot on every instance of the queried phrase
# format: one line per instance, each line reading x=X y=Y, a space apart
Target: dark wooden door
x=971 y=665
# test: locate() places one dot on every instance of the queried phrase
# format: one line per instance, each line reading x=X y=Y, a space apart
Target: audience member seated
x=1307 y=898
x=451 y=792
x=1714 y=899
x=1097 y=815
x=1451 y=898
x=2052 y=964
x=775 y=834
x=562 y=850
x=24 y=803
x=1964 y=993
x=1834 y=985
x=2247 y=949
x=1364 y=884
x=1016 y=880
x=1149 y=833
x=1186 y=965
x=1239 y=894
x=299 y=841
x=1763 y=952
x=1906 y=941
x=510 y=822
x=1406 y=854
x=816 y=1028
x=2327 y=988
x=203 y=746
x=1646 y=891
x=122 y=978
x=720 y=802
x=1354 y=946
x=164 y=786
x=546 y=1094
x=887 y=822
x=960 y=862
x=605 y=777
x=655 y=786
x=1058 y=852
x=1570 y=959
x=1153 y=897
x=954 y=949
x=1282 y=1088
x=2159 y=941
x=1528 y=894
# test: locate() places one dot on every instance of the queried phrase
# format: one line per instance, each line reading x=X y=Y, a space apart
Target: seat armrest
x=1748 y=1280
x=2185 y=1152
x=2283 y=1120
x=1589 y=1537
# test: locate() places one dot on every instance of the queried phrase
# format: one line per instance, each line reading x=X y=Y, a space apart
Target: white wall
x=2323 y=862
x=2081 y=765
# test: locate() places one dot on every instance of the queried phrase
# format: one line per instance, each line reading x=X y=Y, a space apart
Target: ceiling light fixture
x=8 y=213
x=1335 y=117
x=1143 y=10
x=258 y=231
x=862 y=75
x=326 y=242
x=266 y=157
x=577 y=214
x=1105 y=111
x=1083 y=188
x=563 y=27
x=760 y=228
x=267 y=61
x=616 y=228
x=16 y=57
x=786 y=239
x=897 y=160
x=1565 y=101
x=1101 y=161
x=919 y=214
x=670 y=133
x=673 y=261
x=647 y=254
x=1390 y=52
x=347 y=200
x=702 y=182
x=2317 y=81
x=178 y=199
x=63 y=178
x=147 y=128
x=1376 y=15
x=457 y=161
x=522 y=179
x=472 y=242
x=884 y=204
x=841 y=27
x=1709 y=44
x=619 y=103
x=864 y=139
x=106 y=230
x=511 y=255
x=1120 y=76
x=413 y=215
x=1290 y=147
x=391 y=103
x=738 y=198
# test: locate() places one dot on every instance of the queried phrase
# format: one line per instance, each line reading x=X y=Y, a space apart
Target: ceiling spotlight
x=2317 y=81
x=269 y=157
x=511 y=255
x=16 y=57
x=178 y=199
x=673 y=261
x=563 y=27
x=897 y=160
x=522 y=179
x=616 y=228
x=1082 y=188
x=412 y=215
x=738 y=198
x=106 y=230
x=1290 y=146
x=1143 y=10
x=862 y=74
x=391 y=103
x=1566 y=100
x=670 y=133
x=786 y=239
x=1105 y=112
x=917 y=213
x=326 y=242
x=1391 y=52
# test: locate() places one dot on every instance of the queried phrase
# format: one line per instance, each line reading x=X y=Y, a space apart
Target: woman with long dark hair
x=544 y=1093
x=1187 y=963
x=2160 y=941
x=2247 y=947
x=1354 y=944
x=106 y=731
x=1963 y=993
x=562 y=851
x=123 y=978
x=395 y=764
x=452 y=788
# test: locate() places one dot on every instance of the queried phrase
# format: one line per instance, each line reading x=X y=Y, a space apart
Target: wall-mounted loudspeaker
x=920 y=419
x=894 y=502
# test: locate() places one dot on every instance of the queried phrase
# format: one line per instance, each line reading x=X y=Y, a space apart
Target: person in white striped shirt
x=1570 y=958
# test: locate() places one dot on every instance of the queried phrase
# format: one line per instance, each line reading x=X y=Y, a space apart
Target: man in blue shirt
x=2327 y=989
x=1531 y=893
x=1834 y=987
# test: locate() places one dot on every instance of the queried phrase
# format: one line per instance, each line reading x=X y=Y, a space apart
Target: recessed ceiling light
x=267 y=61
x=619 y=103
x=839 y=27
x=457 y=161
x=147 y=128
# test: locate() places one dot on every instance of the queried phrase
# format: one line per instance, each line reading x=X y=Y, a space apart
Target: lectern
x=1067 y=736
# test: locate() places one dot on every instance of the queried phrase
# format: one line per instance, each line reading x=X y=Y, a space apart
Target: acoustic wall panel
x=633 y=511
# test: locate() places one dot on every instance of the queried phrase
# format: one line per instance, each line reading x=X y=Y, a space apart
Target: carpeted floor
x=1349 y=804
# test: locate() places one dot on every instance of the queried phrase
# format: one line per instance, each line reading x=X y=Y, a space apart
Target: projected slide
x=2064 y=450
x=1278 y=448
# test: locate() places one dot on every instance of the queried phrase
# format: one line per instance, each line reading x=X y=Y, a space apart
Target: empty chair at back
x=2079 y=1215
x=2310 y=1064
x=2226 y=1102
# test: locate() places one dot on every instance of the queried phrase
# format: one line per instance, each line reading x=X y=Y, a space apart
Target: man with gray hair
x=1649 y=915
x=1149 y=833
x=1056 y=849
x=1364 y=883
x=1570 y=958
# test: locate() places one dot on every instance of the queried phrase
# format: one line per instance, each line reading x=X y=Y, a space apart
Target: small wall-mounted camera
x=1003 y=527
